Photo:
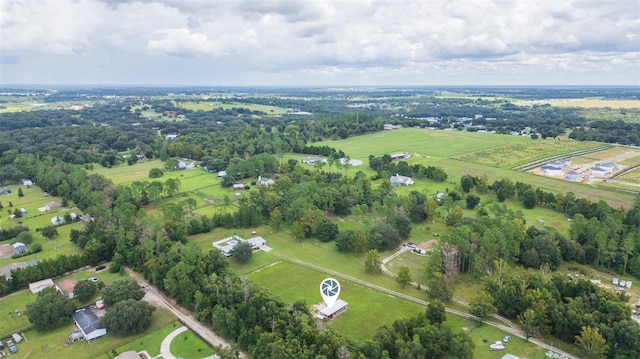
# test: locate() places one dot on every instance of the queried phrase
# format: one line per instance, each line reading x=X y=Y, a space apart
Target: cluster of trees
x=546 y=303
x=126 y=313
x=599 y=235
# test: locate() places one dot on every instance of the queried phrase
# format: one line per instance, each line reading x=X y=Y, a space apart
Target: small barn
x=339 y=307
x=57 y=221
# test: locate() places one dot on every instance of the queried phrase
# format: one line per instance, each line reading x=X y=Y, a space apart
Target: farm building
x=562 y=163
x=27 y=183
x=238 y=186
x=573 y=176
x=352 y=162
x=264 y=181
x=170 y=137
x=89 y=324
x=609 y=166
x=339 y=307
x=41 y=285
x=550 y=170
x=509 y=356
x=222 y=174
x=599 y=172
x=399 y=180
x=57 y=221
x=400 y=156
x=311 y=160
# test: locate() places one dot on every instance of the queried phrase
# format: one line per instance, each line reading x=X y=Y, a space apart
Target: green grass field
x=211 y=105
x=188 y=346
x=149 y=343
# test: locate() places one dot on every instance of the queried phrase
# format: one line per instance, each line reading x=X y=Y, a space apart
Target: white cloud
x=373 y=40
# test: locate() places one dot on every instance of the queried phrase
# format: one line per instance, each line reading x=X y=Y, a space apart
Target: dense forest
x=55 y=148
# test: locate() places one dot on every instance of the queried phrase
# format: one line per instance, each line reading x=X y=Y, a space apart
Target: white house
x=238 y=186
x=352 y=162
x=57 y=221
x=399 y=180
x=264 y=181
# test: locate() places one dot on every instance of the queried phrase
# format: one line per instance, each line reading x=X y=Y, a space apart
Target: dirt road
x=153 y=295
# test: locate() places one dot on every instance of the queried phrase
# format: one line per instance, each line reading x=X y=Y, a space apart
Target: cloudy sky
x=320 y=42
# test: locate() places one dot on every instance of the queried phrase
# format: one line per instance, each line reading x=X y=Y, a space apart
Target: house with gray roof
x=399 y=180
x=264 y=181
x=89 y=324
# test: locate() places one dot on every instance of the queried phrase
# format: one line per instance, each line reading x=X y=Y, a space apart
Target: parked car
x=94 y=280
x=506 y=339
x=101 y=267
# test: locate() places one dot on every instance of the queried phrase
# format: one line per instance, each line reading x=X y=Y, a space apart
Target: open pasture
x=368 y=308
x=511 y=155
x=596 y=103
x=422 y=142
x=210 y=106
x=123 y=173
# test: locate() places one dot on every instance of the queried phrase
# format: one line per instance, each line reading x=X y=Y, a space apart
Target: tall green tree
x=482 y=306
x=592 y=344
x=373 y=262
x=51 y=310
x=439 y=288
x=128 y=317
x=242 y=252
x=122 y=290
x=84 y=290
x=404 y=276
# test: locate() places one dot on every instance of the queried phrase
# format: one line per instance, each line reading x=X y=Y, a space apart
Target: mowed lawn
x=368 y=308
x=51 y=344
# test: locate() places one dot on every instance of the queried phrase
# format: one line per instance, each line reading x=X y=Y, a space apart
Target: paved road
x=153 y=295
x=165 y=347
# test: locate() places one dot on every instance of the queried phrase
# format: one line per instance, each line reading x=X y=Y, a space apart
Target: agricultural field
x=516 y=154
x=444 y=148
x=209 y=106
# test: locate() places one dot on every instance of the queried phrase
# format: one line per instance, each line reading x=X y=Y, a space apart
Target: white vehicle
x=497 y=346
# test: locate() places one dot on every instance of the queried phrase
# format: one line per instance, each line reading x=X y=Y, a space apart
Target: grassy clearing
x=596 y=103
x=417 y=265
x=188 y=346
x=123 y=173
x=210 y=106
x=368 y=308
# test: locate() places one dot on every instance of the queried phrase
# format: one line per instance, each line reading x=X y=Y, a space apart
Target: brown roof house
x=67 y=286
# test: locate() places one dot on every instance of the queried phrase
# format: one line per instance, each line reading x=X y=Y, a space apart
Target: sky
x=320 y=42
